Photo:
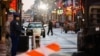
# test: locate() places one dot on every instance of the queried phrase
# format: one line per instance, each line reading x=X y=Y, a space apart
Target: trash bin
x=23 y=43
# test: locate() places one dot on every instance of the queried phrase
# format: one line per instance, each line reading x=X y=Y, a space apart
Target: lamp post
x=20 y=9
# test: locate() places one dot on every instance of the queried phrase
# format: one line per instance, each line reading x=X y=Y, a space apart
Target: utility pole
x=19 y=6
x=72 y=11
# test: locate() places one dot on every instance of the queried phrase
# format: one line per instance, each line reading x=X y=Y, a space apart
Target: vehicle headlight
x=29 y=30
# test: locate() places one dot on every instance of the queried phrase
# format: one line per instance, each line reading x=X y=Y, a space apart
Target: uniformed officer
x=15 y=31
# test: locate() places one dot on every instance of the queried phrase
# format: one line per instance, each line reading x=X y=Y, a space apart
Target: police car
x=35 y=28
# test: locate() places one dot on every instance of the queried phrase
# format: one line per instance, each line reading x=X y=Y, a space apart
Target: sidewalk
x=2 y=47
x=2 y=50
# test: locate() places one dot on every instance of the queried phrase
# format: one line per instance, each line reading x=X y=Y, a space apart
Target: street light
x=43 y=6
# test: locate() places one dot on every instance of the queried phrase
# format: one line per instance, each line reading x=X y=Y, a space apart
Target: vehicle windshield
x=35 y=25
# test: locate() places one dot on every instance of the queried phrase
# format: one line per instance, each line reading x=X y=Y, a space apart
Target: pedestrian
x=50 y=27
x=7 y=30
x=15 y=30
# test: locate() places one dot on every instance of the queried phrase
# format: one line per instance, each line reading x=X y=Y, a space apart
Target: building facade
x=5 y=6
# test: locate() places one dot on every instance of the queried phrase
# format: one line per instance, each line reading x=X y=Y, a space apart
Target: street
x=67 y=41
x=24 y=25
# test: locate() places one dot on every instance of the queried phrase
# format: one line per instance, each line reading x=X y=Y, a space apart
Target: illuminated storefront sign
x=13 y=6
x=59 y=12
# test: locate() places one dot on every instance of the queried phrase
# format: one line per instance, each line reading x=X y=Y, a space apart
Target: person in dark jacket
x=15 y=31
x=50 y=26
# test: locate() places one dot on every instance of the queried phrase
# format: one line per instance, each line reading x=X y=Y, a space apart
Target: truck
x=89 y=35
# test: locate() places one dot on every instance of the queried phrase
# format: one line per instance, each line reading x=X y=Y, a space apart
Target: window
x=94 y=15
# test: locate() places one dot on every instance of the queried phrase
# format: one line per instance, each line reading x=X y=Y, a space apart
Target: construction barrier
x=43 y=50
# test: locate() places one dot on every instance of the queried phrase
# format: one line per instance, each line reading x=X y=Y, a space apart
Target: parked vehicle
x=25 y=24
x=70 y=26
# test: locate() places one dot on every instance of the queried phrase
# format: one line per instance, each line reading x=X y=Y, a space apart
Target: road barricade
x=43 y=51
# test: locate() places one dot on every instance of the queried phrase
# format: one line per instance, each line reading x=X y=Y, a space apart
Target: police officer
x=15 y=31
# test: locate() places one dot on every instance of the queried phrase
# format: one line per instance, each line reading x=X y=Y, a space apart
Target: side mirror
x=25 y=27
